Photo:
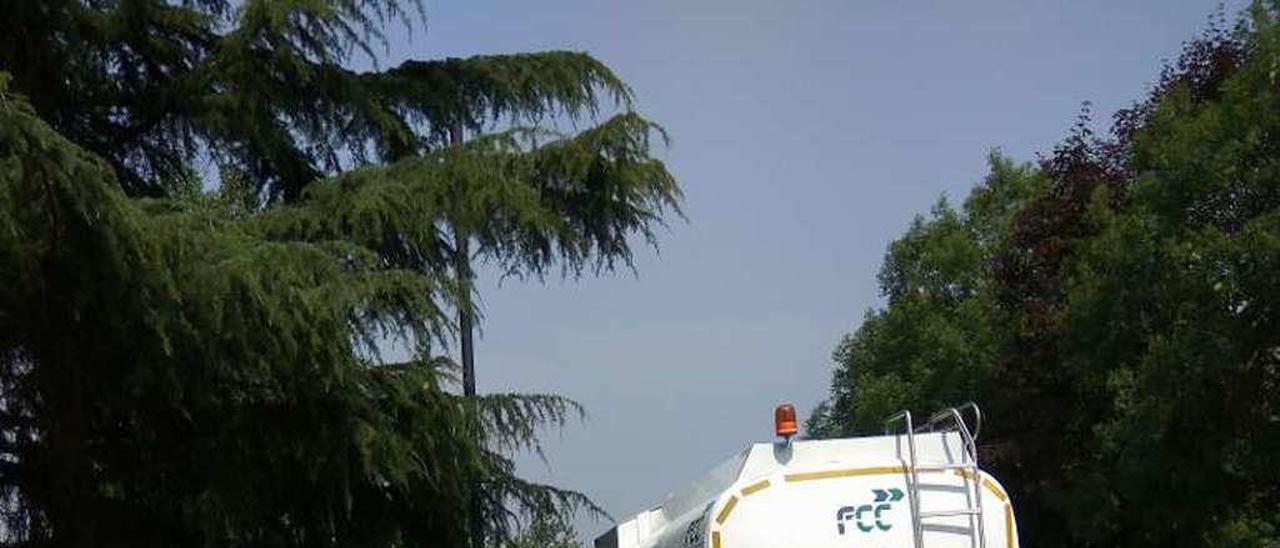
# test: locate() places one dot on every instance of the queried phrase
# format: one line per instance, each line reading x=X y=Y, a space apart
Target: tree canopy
x=932 y=344
x=211 y=226
x=1118 y=319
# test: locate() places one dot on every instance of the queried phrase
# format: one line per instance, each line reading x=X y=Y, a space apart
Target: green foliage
x=1125 y=316
x=933 y=342
x=171 y=377
x=546 y=532
x=571 y=201
x=1183 y=277
x=262 y=87
x=195 y=361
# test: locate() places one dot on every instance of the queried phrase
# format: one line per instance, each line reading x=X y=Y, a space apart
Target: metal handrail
x=968 y=438
x=956 y=412
x=913 y=486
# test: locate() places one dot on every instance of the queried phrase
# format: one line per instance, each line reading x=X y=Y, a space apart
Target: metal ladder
x=967 y=468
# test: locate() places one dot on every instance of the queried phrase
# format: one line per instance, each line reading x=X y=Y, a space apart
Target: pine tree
x=188 y=359
x=546 y=532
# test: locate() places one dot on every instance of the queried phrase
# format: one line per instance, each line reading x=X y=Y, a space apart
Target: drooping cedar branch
x=193 y=358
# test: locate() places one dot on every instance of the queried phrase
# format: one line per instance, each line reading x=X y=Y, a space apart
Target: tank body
x=829 y=494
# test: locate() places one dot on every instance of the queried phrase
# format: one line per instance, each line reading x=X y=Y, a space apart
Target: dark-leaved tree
x=1131 y=319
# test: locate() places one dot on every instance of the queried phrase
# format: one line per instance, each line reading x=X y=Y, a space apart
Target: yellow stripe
x=728 y=507
x=1008 y=525
x=755 y=488
x=844 y=473
x=715 y=539
x=986 y=482
x=995 y=489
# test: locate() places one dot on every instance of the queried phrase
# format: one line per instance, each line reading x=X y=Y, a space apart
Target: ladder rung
x=941 y=467
x=949 y=513
x=968 y=469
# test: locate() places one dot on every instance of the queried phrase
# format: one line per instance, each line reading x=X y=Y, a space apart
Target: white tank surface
x=910 y=489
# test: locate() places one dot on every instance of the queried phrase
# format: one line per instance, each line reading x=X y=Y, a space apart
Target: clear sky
x=806 y=135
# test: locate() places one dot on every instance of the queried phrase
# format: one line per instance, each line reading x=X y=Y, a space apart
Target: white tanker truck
x=917 y=486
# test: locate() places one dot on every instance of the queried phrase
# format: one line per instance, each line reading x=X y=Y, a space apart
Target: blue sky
x=806 y=135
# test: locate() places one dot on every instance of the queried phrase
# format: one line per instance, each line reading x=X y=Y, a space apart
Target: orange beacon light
x=784 y=420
